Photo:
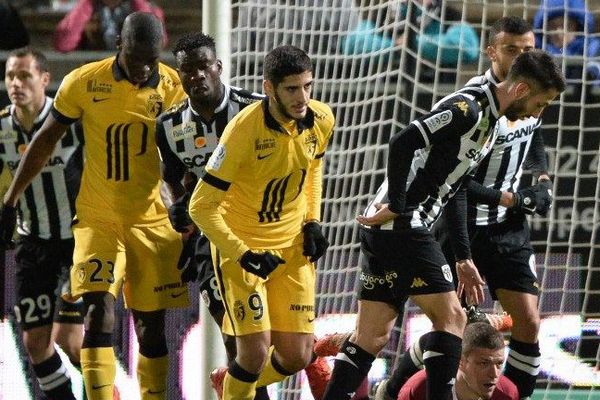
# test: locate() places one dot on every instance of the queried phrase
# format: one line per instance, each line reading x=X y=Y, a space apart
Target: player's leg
x=432 y=289
x=153 y=285
x=96 y=276
x=37 y=277
x=508 y=262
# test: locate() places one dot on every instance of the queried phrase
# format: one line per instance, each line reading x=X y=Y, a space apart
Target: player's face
x=531 y=105
x=25 y=83
x=506 y=48
x=289 y=99
x=138 y=60
x=481 y=371
x=200 y=74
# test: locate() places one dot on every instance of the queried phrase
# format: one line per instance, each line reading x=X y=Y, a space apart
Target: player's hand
x=187 y=260
x=315 y=244
x=260 y=264
x=179 y=216
x=382 y=216
x=469 y=282
x=8 y=221
x=534 y=199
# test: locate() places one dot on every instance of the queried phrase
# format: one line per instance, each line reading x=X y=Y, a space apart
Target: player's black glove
x=315 y=243
x=534 y=199
x=260 y=264
x=8 y=221
x=187 y=260
x=178 y=213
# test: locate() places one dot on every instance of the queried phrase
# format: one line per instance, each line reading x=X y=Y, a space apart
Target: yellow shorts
x=142 y=259
x=283 y=302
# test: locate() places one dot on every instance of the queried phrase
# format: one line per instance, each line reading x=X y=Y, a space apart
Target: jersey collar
x=41 y=116
x=305 y=123
x=491 y=99
x=120 y=75
x=491 y=77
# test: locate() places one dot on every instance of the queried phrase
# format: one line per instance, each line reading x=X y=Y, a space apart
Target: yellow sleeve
x=204 y=210
x=314 y=189
x=68 y=95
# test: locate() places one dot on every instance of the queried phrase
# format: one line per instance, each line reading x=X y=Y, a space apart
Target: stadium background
x=373 y=97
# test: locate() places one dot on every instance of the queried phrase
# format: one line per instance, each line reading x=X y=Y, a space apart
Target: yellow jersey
x=121 y=173
x=266 y=179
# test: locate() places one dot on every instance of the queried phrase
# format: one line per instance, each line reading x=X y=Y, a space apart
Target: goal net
x=369 y=71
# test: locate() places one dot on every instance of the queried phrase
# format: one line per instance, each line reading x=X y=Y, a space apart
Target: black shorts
x=42 y=269
x=504 y=256
x=399 y=264
x=209 y=287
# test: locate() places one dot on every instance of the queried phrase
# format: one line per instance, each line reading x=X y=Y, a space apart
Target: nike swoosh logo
x=311 y=319
x=255 y=266
x=176 y=295
x=96 y=387
x=156 y=392
x=96 y=100
x=263 y=156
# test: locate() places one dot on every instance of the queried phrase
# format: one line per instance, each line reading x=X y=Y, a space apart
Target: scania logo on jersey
x=518 y=134
x=199 y=160
x=185 y=130
x=8 y=135
x=438 y=121
x=93 y=86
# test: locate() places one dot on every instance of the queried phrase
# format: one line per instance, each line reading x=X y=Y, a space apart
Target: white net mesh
x=377 y=80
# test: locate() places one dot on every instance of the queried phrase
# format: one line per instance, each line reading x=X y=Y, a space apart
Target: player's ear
x=521 y=90
x=268 y=87
x=220 y=66
x=491 y=52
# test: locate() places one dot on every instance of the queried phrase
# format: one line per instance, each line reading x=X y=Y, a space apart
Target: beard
x=516 y=110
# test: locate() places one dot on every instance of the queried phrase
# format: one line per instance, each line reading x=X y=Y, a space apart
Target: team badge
x=215 y=161
x=447 y=273
x=154 y=104
x=239 y=310
x=81 y=274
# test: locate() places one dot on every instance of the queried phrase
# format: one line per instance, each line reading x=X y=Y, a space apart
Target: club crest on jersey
x=239 y=310
x=185 y=130
x=215 y=161
x=154 y=104
x=311 y=144
x=8 y=135
x=438 y=121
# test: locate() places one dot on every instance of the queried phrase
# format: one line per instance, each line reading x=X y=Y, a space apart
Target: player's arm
x=35 y=157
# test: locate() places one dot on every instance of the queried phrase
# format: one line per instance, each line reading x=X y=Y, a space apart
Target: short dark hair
x=193 y=41
x=512 y=25
x=38 y=56
x=142 y=27
x=537 y=66
x=284 y=61
x=483 y=336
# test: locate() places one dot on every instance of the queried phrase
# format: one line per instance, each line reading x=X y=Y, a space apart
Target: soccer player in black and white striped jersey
x=44 y=249
x=186 y=136
x=428 y=161
x=496 y=217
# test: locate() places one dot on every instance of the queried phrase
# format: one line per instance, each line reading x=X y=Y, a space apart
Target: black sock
x=261 y=393
x=410 y=363
x=523 y=365
x=352 y=364
x=54 y=379
x=441 y=355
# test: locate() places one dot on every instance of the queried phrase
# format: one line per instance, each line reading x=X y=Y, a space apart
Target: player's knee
x=453 y=320
x=149 y=328
x=71 y=346
x=372 y=341
x=296 y=360
x=526 y=326
x=37 y=343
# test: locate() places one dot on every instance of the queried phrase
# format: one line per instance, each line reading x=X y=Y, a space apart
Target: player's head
x=508 y=37
x=198 y=68
x=534 y=80
x=139 y=46
x=26 y=77
x=288 y=81
x=481 y=360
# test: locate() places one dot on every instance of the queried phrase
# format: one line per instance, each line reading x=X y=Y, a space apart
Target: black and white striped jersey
x=47 y=206
x=430 y=158
x=186 y=141
x=502 y=168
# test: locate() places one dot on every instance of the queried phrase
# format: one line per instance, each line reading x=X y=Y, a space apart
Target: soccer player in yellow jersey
x=122 y=233
x=259 y=205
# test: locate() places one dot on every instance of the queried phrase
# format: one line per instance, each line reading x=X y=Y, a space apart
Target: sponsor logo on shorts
x=239 y=310
x=176 y=295
x=418 y=283
x=301 y=307
x=96 y=387
x=205 y=297
x=81 y=274
x=370 y=281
